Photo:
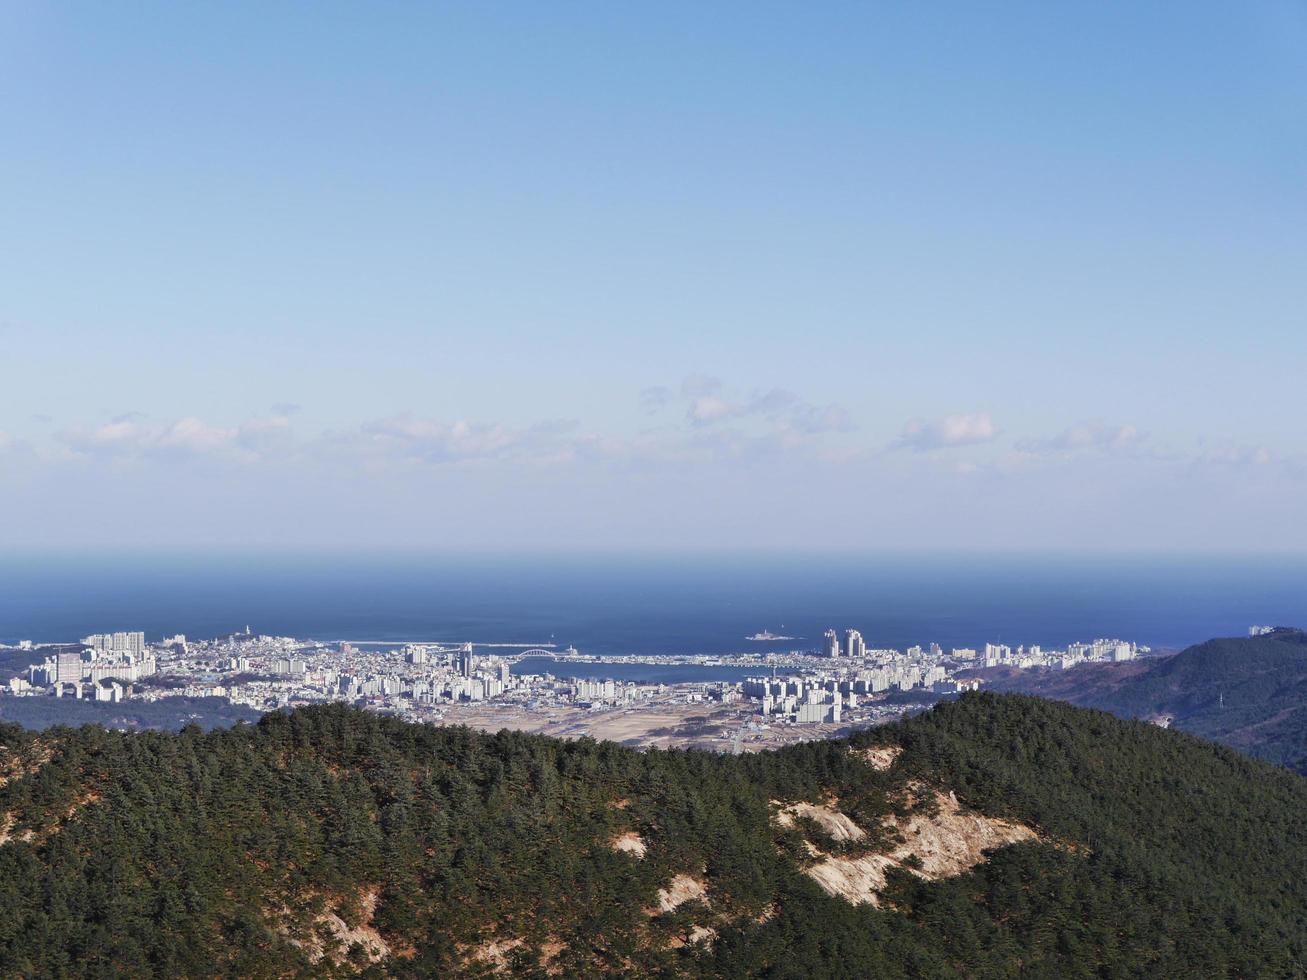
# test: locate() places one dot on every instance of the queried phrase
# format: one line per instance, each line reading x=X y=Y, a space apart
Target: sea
x=624 y=605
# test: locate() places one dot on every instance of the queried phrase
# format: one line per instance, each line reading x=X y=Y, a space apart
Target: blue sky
x=673 y=275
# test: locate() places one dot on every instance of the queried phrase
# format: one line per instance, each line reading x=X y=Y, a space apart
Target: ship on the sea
x=769 y=635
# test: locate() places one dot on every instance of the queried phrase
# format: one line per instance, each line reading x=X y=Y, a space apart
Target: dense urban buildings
x=847 y=683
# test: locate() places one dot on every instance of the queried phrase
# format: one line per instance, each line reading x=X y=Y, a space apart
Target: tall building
x=830 y=644
x=466 y=662
x=129 y=644
x=69 y=666
x=594 y=690
x=853 y=644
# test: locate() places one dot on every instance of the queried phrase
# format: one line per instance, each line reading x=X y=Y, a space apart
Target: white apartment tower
x=853 y=644
x=830 y=644
x=129 y=644
x=68 y=667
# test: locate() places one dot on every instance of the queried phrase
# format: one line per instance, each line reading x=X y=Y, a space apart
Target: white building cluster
x=585 y=689
x=858 y=672
x=102 y=667
x=128 y=644
x=854 y=647
x=419 y=680
x=802 y=700
x=414 y=680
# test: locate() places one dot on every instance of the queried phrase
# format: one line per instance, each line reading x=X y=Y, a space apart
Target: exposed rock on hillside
x=331 y=937
x=881 y=757
x=630 y=842
x=680 y=890
x=840 y=827
x=938 y=841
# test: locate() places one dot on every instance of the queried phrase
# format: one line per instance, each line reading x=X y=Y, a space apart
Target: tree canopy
x=225 y=852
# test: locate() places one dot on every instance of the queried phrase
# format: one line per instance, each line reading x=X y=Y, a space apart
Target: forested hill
x=1246 y=692
x=993 y=836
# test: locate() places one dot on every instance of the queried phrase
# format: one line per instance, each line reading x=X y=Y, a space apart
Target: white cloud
x=190 y=435
x=951 y=431
x=127 y=436
x=791 y=420
x=1083 y=437
x=398 y=437
x=435 y=441
x=707 y=409
x=121 y=435
x=1238 y=456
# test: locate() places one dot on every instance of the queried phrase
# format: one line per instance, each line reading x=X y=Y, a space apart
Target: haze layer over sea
x=643 y=604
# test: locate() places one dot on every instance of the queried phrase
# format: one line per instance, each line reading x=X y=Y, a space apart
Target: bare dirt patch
x=881 y=757
x=937 y=842
x=697 y=934
x=343 y=936
x=495 y=953
x=16 y=765
x=630 y=842
x=39 y=835
x=836 y=824
x=680 y=890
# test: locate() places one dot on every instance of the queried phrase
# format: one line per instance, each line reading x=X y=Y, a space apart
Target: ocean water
x=655 y=604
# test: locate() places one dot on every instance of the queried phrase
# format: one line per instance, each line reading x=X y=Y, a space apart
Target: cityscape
x=743 y=701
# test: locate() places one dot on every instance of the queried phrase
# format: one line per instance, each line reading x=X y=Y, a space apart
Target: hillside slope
x=993 y=836
x=1249 y=693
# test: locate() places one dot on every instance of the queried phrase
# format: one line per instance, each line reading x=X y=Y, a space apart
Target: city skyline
x=716 y=278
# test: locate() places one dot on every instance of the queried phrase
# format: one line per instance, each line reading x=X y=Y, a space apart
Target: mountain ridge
x=1246 y=692
x=330 y=841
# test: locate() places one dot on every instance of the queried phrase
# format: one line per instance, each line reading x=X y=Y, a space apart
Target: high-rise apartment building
x=69 y=667
x=830 y=644
x=853 y=644
x=126 y=644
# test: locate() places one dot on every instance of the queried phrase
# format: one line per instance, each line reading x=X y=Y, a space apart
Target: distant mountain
x=1246 y=692
x=991 y=836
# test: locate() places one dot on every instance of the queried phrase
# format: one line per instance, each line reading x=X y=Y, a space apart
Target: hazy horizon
x=651 y=603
